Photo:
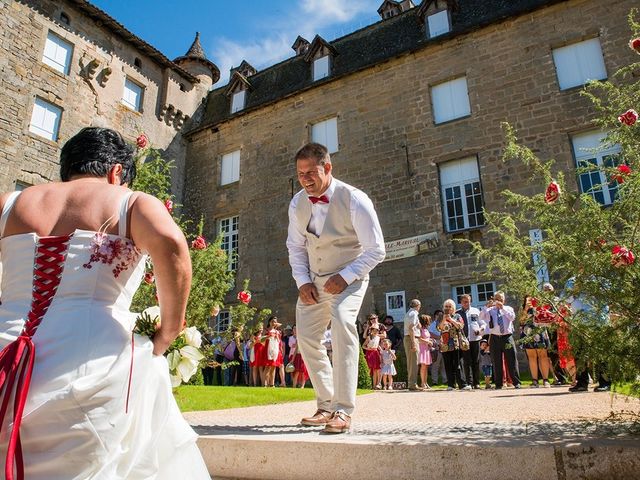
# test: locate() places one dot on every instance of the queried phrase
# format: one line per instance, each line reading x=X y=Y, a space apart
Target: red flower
x=635 y=44
x=244 y=296
x=199 y=243
x=553 y=193
x=544 y=314
x=534 y=302
x=149 y=278
x=629 y=117
x=621 y=256
x=623 y=171
x=168 y=204
x=142 y=141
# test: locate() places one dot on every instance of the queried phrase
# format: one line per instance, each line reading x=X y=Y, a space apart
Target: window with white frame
x=222 y=322
x=57 y=53
x=592 y=157
x=321 y=68
x=326 y=133
x=461 y=194
x=578 y=63
x=132 y=95
x=230 y=168
x=228 y=228
x=237 y=101
x=45 y=119
x=450 y=100
x=480 y=292
x=20 y=186
x=438 y=23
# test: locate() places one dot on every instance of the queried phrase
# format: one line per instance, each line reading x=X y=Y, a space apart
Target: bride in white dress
x=82 y=397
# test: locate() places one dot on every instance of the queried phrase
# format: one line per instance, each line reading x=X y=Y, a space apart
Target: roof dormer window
x=237 y=101
x=438 y=24
x=321 y=68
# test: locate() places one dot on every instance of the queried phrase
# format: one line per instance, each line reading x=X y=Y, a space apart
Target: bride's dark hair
x=93 y=151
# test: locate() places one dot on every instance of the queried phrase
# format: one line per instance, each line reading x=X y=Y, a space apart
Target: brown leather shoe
x=321 y=417
x=340 y=422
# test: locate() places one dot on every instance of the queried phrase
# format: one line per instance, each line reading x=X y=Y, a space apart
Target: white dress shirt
x=412 y=323
x=365 y=223
x=491 y=313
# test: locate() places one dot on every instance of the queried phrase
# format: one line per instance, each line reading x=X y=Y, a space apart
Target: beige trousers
x=335 y=387
x=412 y=360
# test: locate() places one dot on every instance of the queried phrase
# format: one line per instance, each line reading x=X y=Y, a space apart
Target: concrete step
x=439 y=435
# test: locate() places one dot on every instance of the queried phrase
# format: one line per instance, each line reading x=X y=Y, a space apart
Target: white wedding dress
x=99 y=405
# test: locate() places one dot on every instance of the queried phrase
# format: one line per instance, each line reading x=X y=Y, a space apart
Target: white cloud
x=306 y=18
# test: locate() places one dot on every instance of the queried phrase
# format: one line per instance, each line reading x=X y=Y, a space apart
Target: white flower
x=153 y=312
x=192 y=353
x=175 y=381
x=193 y=337
x=173 y=359
x=187 y=368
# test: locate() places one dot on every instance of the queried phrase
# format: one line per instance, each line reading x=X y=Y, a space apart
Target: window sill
x=53 y=143
x=127 y=108
x=447 y=122
x=229 y=185
x=466 y=230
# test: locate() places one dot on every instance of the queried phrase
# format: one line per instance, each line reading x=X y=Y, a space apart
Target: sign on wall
x=409 y=247
x=396 y=305
x=539 y=262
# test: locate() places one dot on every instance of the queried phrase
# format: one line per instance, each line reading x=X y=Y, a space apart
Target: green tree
x=594 y=245
x=211 y=277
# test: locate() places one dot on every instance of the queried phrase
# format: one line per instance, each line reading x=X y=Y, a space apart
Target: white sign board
x=396 y=305
x=539 y=263
x=409 y=247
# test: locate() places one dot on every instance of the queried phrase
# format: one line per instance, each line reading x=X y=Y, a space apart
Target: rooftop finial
x=196 y=49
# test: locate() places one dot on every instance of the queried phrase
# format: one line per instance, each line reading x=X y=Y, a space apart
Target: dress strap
x=124 y=208
x=6 y=210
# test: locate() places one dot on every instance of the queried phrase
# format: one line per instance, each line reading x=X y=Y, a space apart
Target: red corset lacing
x=16 y=359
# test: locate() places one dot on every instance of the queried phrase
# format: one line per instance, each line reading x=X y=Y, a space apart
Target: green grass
x=192 y=398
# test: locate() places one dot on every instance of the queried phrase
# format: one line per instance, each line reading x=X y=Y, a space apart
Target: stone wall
x=390 y=147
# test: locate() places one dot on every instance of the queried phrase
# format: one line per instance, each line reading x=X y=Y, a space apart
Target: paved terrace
x=507 y=434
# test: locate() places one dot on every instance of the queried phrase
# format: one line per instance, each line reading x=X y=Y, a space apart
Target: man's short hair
x=414 y=303
x=465 y=295
x=315 y=151
x=547 y=287
x=501 y=294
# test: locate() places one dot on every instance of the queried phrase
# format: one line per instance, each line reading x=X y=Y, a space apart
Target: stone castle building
x=410 y=108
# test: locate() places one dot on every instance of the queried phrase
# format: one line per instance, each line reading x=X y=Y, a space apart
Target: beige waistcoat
x=338 y=245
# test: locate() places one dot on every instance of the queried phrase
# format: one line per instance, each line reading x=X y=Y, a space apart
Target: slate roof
x=364 y=48
x=114 y=26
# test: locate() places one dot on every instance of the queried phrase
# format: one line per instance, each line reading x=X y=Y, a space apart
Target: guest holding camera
x=499 y=318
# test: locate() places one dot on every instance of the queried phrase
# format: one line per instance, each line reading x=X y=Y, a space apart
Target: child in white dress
x=388 y=368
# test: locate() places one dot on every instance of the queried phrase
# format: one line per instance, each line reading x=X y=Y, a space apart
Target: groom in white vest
x=334 y=241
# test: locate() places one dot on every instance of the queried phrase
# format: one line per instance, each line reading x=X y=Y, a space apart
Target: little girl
x=388 y=368
x=372 y=354
x=485 y=363
x=424 y=354
x=274 y=352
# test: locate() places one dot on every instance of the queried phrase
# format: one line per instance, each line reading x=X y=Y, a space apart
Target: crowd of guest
x=463 y=348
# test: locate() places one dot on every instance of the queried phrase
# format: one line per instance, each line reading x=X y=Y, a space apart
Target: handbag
x=290 y=368
x=464 y=342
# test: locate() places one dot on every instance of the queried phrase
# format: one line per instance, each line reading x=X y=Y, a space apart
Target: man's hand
x=335 y=284
x=308 y=294
x=499 y=304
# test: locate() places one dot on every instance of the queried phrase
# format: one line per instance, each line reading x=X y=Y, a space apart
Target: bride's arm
x=154 y=231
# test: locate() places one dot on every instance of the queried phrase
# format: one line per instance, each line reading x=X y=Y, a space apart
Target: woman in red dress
x=273 y=351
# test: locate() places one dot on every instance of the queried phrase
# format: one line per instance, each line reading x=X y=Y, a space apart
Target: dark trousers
x=504 y=344
x=582 y=379
x=452 y=367
x=555 y=358
x=218 y=370
x=471 y=363
x=207 y=375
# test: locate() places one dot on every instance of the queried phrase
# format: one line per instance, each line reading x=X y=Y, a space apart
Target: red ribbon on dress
x=17 y=358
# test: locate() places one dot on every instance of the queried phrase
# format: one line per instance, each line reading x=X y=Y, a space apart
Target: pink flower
x=199 y=243
x=634 y=44
x=168 y=204
x=629 y=117
x=149 y=278
x=534 y=302
x=142 y=141
x=621 y=256
x=553 y=193
x=623 y=171
x=244 y=296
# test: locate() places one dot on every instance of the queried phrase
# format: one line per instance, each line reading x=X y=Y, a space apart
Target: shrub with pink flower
x=199 y=243
x=623 y=171
x=142 y=141
x=168 y=204
x=634 y=44
x=628 y=118
x=149 y=278
x=244 y=296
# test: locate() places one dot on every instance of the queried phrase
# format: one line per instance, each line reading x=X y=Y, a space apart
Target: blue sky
x=259 y=31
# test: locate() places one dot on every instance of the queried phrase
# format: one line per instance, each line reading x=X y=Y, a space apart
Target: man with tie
x=334 y=241
x=474 y=329
x=499 y=318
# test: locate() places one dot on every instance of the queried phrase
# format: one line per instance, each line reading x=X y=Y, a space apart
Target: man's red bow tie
x=322 y=199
